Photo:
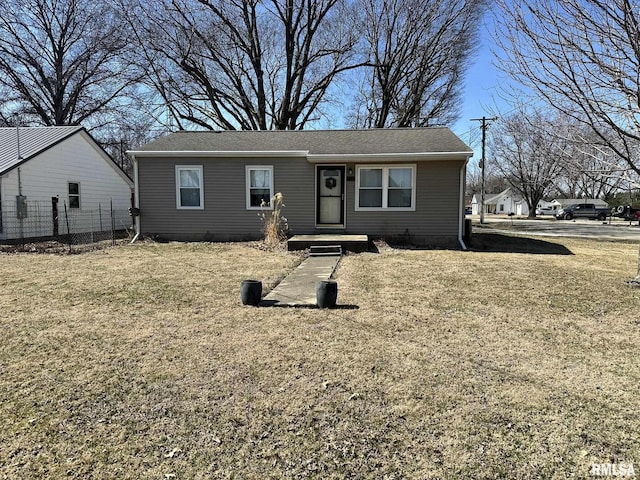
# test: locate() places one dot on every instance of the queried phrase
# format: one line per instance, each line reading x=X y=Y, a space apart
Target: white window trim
x=79 y=195
x=385 y=188
x=247 y=175
x=199 y=169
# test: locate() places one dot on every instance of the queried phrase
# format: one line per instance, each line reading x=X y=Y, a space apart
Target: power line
x=485 y=122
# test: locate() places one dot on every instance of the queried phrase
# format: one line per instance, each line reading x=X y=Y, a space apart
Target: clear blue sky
x=481 y=93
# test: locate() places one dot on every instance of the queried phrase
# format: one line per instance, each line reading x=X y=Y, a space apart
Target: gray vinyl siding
x=225 y=217
x=437 y=213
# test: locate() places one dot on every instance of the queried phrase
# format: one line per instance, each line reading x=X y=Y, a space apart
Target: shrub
x=274 y=225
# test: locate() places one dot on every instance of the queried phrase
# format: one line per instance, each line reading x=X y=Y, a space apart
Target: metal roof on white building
x=32 y=141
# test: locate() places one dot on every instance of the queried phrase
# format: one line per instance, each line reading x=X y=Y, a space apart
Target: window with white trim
x=189 y=187
x=259 y=186
x=73 y=190
x=385 y=187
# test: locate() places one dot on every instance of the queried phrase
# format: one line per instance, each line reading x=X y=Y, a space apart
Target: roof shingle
x=316 y=142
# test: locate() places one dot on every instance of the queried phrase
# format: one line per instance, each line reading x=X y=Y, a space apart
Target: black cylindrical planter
x=251 y=292
x=327 y=294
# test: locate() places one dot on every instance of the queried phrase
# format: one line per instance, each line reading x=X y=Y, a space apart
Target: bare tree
x=494 y=181
x=583 y=57
x=419 y=51
x=244 y=64
x=528 y=154
x=62 y=62
x=119 y=137
x=5 y=106
x=590 y=169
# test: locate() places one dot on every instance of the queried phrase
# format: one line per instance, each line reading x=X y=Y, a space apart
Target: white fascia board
x=388 y=157
x=311 y=158
x=219 y=154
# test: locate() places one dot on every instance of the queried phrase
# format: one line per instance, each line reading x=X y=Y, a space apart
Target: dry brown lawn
x=140 y=362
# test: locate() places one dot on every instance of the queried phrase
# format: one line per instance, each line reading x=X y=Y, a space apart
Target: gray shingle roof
x=316 y=142
x=33 y=140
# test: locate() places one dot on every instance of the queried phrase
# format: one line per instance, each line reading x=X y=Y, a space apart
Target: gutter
x=311 y=157
x=136 y=197
x=387 y=157
x=218 y=153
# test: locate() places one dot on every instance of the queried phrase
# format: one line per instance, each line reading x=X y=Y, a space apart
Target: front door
x=330 y=202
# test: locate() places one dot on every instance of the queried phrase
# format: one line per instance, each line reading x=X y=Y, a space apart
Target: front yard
x=140 y=362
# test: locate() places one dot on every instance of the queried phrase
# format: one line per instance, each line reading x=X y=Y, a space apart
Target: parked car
x=627 y=212
x=545 y=211
x=583 y=210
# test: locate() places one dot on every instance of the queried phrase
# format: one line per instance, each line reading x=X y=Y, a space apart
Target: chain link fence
x=38 y=221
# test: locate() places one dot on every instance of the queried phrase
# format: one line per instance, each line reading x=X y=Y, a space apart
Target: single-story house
x=381 y=182
x=546 y=208
x=47 y=171
x=503 y=203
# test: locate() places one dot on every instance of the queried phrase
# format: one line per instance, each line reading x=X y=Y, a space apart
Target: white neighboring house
x=503 y=203
x=46 y=172
x=546 y=208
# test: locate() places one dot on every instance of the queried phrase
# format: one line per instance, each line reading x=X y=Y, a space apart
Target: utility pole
x=485 y=122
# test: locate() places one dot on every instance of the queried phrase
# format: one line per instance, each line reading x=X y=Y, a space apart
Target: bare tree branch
x=529 y=153
x=63 y=62
x=419 y=50
x=245 y=64
x=583 y=58
x=591 y=169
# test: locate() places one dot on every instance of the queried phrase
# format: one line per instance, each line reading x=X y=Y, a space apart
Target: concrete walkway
x=299 y=287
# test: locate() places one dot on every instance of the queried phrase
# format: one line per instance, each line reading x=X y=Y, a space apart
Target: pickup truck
x=583 y=210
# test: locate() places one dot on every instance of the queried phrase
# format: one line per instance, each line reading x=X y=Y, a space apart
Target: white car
x=545 y=211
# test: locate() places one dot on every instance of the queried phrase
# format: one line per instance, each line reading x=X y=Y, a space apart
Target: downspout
x=463 y=171
x=136 y=197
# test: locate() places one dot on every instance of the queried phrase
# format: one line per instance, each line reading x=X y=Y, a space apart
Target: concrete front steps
x=325 y=250
x=352 y=243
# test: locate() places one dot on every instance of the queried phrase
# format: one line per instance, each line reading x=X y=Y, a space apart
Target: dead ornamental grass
x=140 y=362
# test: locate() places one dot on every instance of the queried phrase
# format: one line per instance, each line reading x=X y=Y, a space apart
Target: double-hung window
x=189 y=187
x=74 y=194
x=386 y=187
x=259 y=186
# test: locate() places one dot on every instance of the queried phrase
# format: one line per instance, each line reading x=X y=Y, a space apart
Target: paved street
x=549 y=227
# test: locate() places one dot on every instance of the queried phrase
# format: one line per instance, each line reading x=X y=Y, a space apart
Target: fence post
x=113 y=225
x=66 y=217
x=54 y=215
x=100 y=213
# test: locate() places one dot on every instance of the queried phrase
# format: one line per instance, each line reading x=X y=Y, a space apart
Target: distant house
x=546 y=208
x=380 y=182
x=504 y=203
x=47 y=171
